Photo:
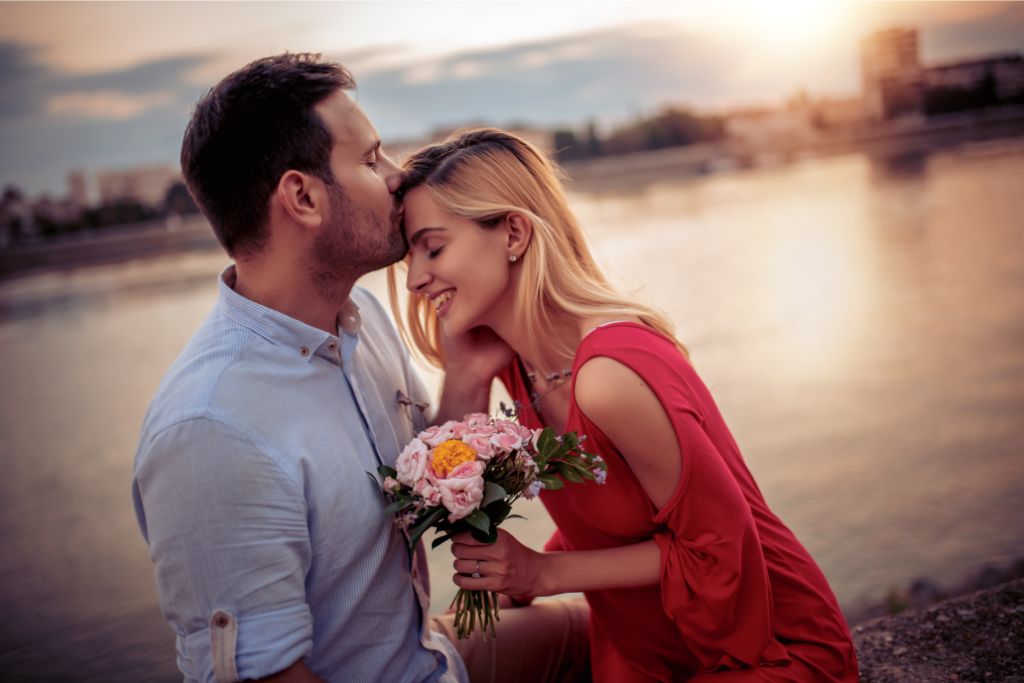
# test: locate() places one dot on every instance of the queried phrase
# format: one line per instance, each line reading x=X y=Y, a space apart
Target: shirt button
x=220 y=620
x=332 y=346
x=304 y=351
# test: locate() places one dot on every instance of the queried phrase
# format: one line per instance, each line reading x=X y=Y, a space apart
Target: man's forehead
x=348 y=123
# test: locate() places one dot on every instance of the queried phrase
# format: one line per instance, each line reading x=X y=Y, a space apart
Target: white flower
x=412 y=462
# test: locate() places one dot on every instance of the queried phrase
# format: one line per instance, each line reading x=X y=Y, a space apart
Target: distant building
x=78 y=188
x=771 y=128
x=17 y=224
x=147 y=185
x=892 y=78
x=974 y=83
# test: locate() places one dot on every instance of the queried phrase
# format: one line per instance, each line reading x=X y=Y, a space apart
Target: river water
x=860 y=323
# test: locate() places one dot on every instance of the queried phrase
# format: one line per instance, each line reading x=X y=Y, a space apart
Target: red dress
x=739 y=595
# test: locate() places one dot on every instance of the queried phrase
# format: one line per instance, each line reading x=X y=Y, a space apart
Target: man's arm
x=296 y=673
x=227 y=529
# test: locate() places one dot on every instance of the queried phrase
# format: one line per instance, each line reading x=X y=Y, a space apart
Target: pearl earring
x=512 y=258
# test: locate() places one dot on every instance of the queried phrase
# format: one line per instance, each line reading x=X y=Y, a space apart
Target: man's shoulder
x=190 y=387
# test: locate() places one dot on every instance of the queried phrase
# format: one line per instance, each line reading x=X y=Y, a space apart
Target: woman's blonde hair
x=484 y=175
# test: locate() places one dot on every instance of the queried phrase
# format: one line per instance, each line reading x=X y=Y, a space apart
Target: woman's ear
x=520 y=232
x=302 y=197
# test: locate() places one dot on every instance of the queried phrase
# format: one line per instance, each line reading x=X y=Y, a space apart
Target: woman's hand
x=477 y=356
x=471 y=362
x=505 y=566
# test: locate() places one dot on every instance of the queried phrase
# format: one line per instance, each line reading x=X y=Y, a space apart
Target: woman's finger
x=471 y=567
x=472 y=552
x=466 y=538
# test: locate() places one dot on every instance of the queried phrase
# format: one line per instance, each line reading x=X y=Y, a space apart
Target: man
x=273 y=555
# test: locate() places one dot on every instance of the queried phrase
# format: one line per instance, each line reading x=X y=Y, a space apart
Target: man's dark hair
x=247 y=131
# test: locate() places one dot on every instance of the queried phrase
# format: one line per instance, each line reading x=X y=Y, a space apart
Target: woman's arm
x=627 y=411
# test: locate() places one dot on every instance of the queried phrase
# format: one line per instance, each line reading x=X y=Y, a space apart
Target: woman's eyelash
x=433 y=253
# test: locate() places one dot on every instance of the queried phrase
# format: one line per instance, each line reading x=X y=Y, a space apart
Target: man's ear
x=303 y=197
x=520 y=232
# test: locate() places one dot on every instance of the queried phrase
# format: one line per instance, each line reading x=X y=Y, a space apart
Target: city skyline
x=81 y=105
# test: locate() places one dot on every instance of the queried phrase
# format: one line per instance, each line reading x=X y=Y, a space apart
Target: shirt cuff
x=264 y=644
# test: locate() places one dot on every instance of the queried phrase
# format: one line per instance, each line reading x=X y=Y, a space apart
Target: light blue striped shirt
x=269 y=540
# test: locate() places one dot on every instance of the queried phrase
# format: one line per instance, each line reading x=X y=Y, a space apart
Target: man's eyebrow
x=419 y=234
x=372 y=148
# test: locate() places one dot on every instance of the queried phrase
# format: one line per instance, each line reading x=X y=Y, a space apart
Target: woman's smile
x=443 y=302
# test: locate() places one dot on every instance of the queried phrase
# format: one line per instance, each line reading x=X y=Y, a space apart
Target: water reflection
x=861 y=328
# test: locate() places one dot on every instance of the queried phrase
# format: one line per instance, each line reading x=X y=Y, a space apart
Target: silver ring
x=476 y=570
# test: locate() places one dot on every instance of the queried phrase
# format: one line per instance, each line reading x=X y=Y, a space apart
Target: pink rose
x=430 y=493
x=506 y=441
x=390 y=485
x=438 y=434
x=412 y=462
x=476 y=419
x=462 y=490
x=481 y=444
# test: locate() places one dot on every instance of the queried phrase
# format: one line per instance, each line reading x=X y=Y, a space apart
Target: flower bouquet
x=465 y=476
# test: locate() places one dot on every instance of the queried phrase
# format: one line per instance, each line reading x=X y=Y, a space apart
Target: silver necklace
x=553 y=379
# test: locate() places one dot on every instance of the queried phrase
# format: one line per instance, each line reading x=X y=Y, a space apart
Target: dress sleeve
x=714 y=582
x=228 y=535
x=556 y=543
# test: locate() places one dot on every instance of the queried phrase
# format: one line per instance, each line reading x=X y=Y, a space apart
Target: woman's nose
x=417 y=280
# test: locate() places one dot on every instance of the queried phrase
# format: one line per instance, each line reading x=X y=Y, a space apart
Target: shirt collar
x=305 y=340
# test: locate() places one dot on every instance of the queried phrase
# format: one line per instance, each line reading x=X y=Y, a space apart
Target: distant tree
x=594 y=147
x=670 y=128
x=567 y=147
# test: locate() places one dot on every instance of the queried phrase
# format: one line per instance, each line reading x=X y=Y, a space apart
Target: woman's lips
x=443 y=302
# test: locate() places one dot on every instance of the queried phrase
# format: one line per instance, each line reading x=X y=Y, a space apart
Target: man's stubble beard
x=356 y=241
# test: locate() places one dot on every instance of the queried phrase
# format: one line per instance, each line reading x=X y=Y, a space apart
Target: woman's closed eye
x=433 y=253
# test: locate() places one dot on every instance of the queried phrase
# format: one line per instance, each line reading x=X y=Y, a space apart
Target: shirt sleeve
x=228 y=534
x=714 y=580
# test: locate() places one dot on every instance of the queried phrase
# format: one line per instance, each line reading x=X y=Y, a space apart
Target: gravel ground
x=978 y=638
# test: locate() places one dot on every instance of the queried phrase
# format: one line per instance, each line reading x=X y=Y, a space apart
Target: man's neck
x=283 y=291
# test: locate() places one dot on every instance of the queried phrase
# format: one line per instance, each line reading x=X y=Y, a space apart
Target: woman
x=688 y=573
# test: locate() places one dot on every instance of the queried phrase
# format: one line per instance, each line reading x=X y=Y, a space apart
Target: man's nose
x=393 y=175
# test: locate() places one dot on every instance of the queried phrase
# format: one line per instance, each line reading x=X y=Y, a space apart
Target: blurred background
x=826 y=197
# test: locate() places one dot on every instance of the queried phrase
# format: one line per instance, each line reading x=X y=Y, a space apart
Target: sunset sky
x=107 y=85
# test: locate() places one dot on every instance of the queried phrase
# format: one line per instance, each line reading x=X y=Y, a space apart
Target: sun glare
x=786 y=25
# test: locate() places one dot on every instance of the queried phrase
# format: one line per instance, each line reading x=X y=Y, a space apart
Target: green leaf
x=373 y=479
x=441 y=539
x=479 y=520
x=570 y=473
x=492 y=492
x=489 y=537
x=424 y=524
x=546 y=442
x=551 y=482
x=394 y=507
x=386 y=471
x=498 y=511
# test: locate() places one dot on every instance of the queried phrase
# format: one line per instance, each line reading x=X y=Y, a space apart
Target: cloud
x=107 y=104
x=20 y=71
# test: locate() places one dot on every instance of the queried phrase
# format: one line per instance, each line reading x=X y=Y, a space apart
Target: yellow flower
x=449 y=455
